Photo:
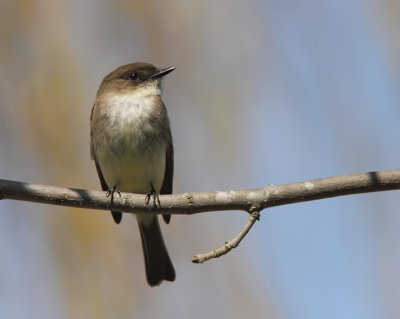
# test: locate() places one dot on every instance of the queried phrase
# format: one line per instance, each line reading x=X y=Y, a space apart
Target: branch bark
x=252 y=200
x=199 y=202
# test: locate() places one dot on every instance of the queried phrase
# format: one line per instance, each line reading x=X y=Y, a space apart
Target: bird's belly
x=132 y=172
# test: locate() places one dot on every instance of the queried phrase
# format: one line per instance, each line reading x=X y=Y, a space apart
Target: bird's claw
x=111 y=191
x=153 y=193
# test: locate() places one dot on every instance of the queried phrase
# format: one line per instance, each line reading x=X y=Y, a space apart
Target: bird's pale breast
x=133 y=150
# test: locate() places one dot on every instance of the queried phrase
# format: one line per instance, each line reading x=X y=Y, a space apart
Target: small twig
x=233 y=243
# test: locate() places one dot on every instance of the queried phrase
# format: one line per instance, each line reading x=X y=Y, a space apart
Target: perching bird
x=131 y=145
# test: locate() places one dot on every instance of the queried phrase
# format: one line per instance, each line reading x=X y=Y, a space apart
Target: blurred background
x=264 y=92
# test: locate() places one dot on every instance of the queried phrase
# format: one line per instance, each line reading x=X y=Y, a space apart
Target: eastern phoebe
x=131 y=145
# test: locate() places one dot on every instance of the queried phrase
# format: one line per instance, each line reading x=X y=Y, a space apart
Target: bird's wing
x=168 y=176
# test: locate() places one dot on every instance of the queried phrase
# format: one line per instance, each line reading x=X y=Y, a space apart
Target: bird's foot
x=111 y=191
x=153 y=193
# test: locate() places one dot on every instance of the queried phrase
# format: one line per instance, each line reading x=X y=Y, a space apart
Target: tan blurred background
x=264 y=92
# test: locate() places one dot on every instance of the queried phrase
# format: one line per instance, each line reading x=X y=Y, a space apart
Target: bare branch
x=192 y=203
x=252 y=200
x=233 y=243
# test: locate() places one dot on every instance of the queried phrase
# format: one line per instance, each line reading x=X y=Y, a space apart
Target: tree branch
x=252 y=200
x=193 y=203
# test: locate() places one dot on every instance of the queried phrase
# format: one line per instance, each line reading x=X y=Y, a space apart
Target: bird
x=131 y=145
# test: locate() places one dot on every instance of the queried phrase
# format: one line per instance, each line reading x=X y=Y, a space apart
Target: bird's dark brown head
x=134 y=75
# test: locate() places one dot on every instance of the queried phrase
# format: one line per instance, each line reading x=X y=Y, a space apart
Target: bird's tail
x=158 y=264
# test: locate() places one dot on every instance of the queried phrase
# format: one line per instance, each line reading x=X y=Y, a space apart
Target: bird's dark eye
x=133 y=76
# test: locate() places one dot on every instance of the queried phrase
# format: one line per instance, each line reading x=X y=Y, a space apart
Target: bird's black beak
x=162 y=72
